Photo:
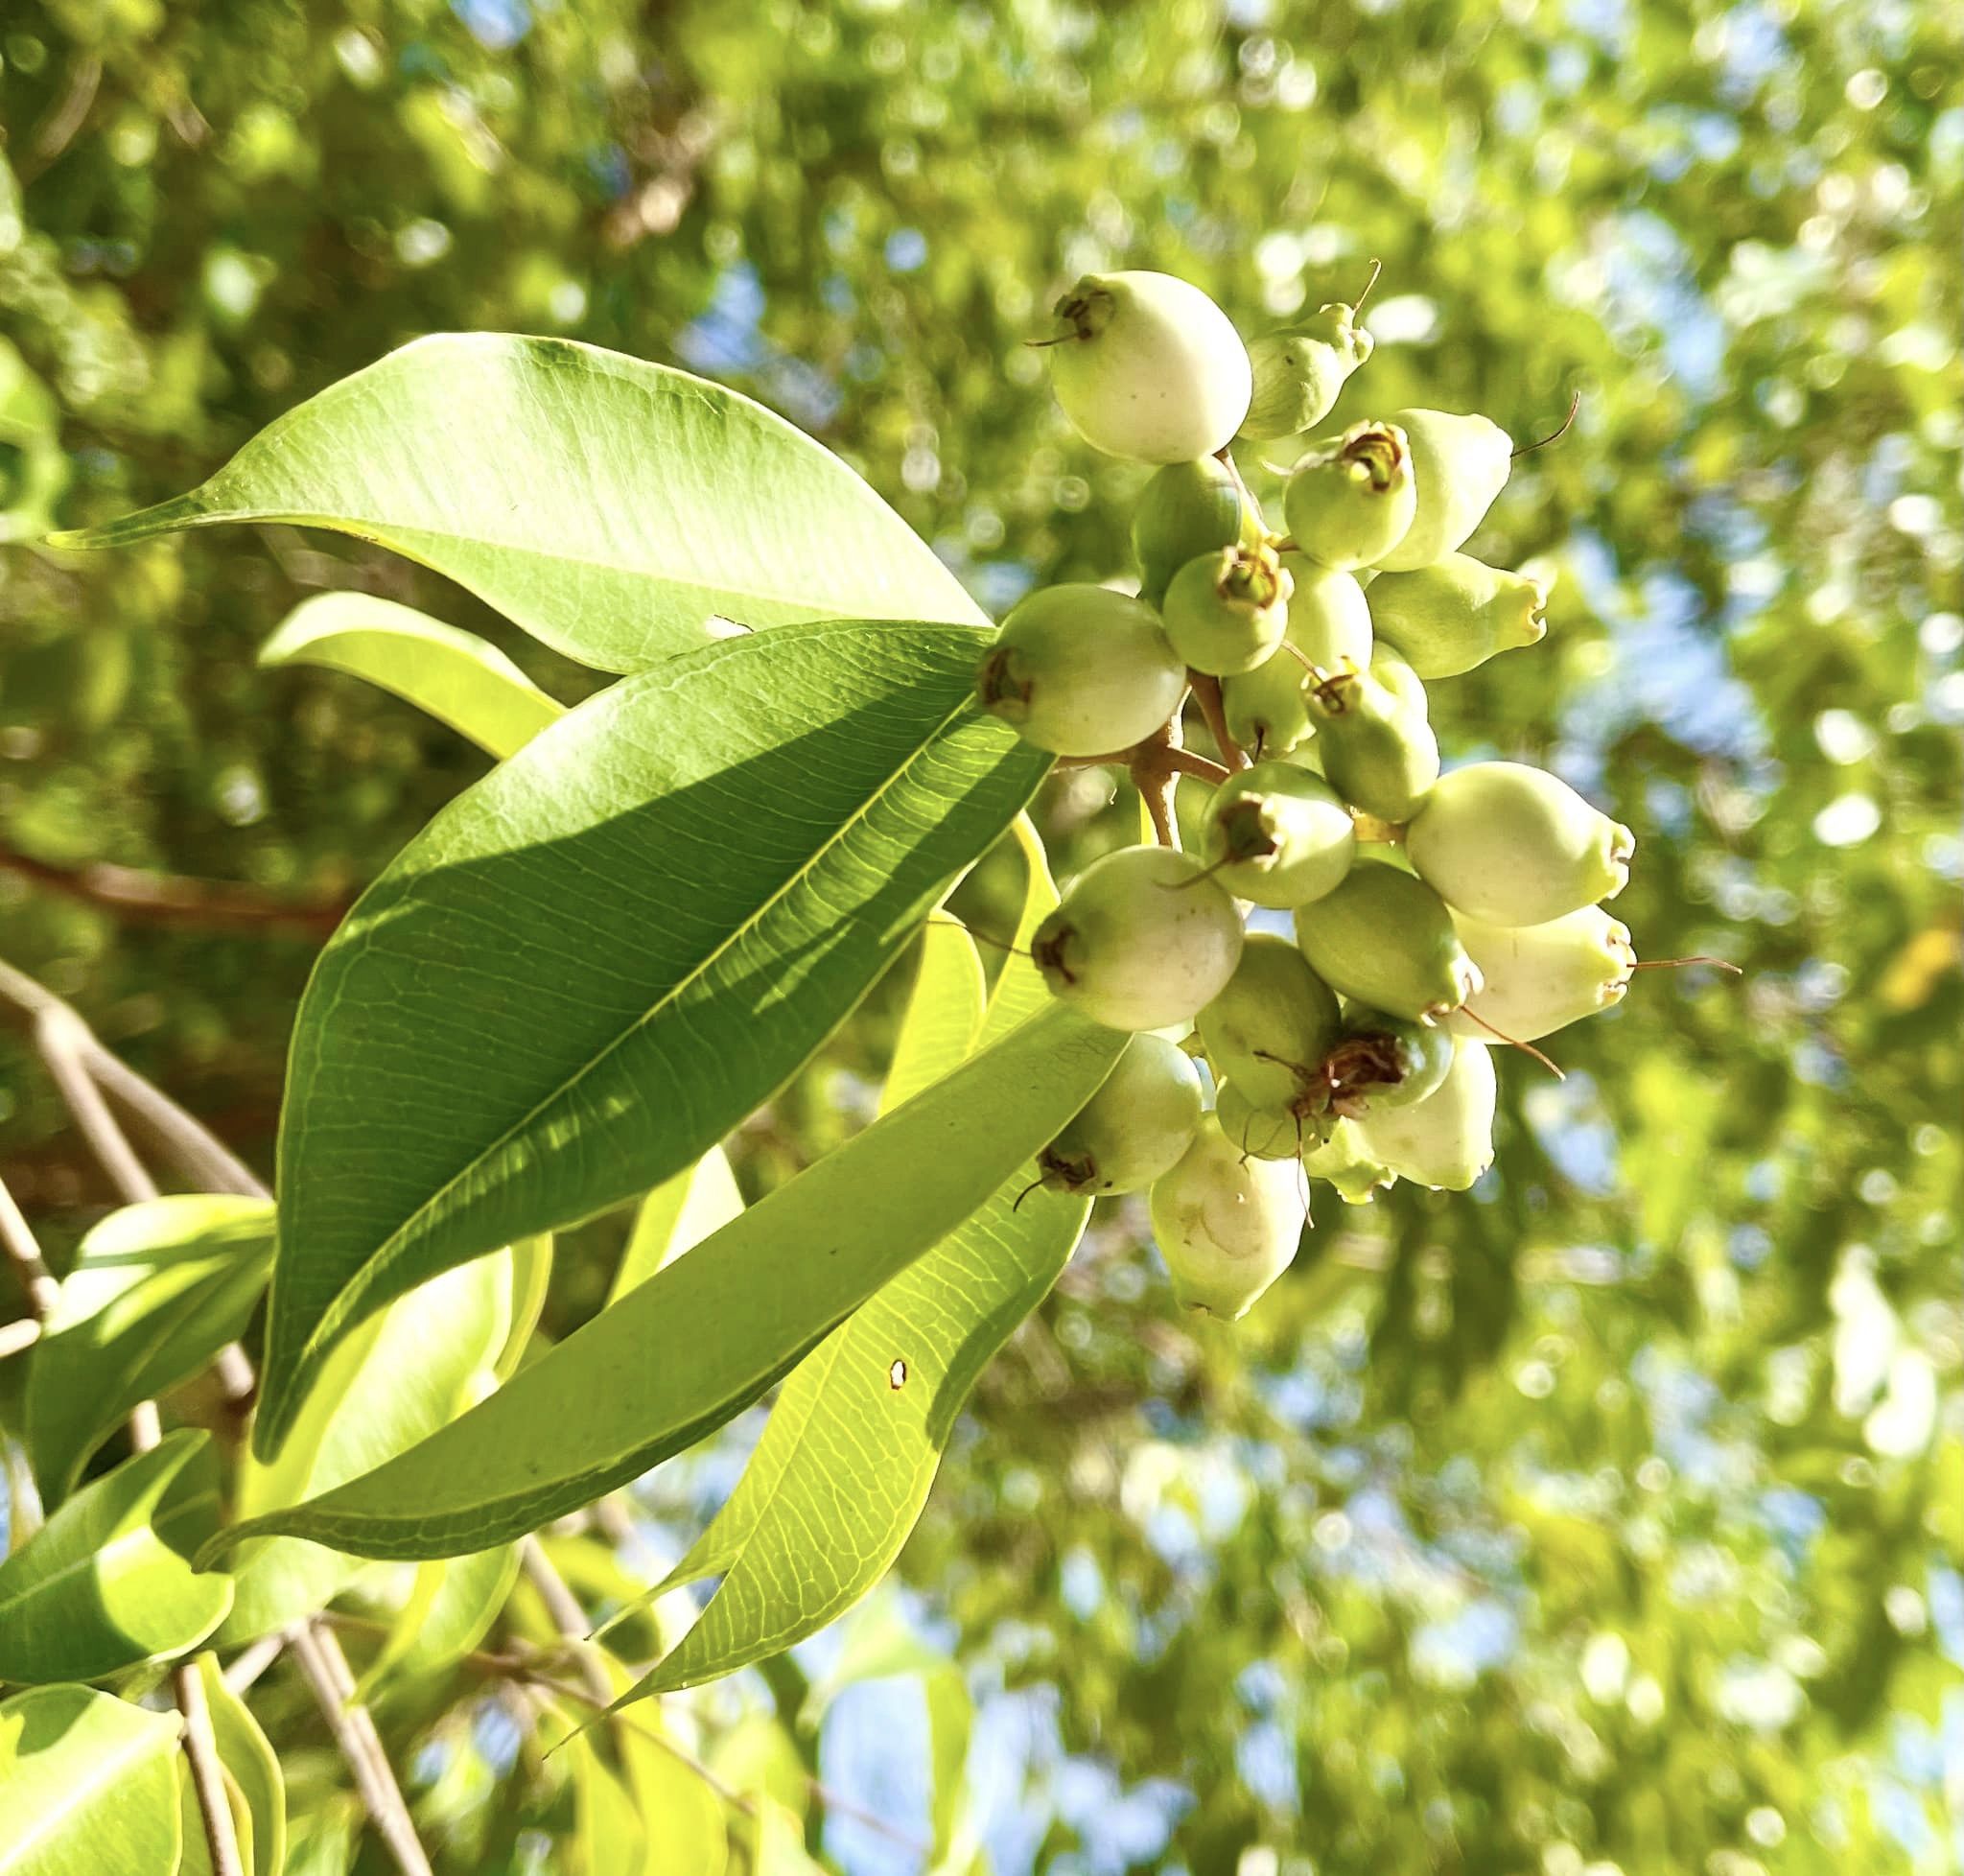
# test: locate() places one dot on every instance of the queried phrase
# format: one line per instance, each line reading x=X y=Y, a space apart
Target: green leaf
x=846 y=1461
x=450 y=1608
x=453 y=675
x=1019 y=989
x=675 y=1217
x=697 y=1343
x=609 y=506
x=251 y=1765
x=681 y=1810
x=607 y=953
x=97 y=1588
x=943 y=1014
x=393 y=1382
x=87 y=1784
x=156 y=1290
x=195 y=1858
x=531 y=1276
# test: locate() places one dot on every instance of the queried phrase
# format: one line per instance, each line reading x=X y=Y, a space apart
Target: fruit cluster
x=1433 y=913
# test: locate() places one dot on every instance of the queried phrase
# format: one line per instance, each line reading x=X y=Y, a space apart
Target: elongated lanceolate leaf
x=252 y=1769
x=603 y=955
x=676 y=1216
x=454 y=676
x=943 y=1014
x=699 y=1341
x=608 y=505
x=88 y=1783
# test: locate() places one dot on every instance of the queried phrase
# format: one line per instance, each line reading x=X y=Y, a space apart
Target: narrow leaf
x=594 y=963
x=87 y=1784
x=1019 y=986
x=450 y=1609
x=156 y=1290
x=943 y=1014
x=252 y=1767
x=454 y=676
x=608 y=505
x=700 y=1341
x=675 y=1217
x=97 y=1590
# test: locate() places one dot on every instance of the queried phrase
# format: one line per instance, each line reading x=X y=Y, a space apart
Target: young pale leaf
x=450 y=1608
x=698 y=1341
x=97 y=1590
x=454 y=676
x=1019 y=988
x=81 y=1770
x=251 y=1768
x=595 y=961
x=156 y=1290
x=675 y=1217
x=609 y=506
x=943 y=1014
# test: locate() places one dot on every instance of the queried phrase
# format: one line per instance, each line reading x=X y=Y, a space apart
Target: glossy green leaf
x=697 y=1343
x=599 y=959
x=393 y=1382
x=252 y=1767
x=675 y=1217
x=155 y=1291
x=88 y=1785
x=609 y=506
x=531 y=1276
x=455 y=676
x=943 y=1012
x=98 y=1589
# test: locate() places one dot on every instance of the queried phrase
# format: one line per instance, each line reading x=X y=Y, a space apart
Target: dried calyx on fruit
x=1351 y=498
x=1277 y=836
x=1459 y=464
x=1446 y=1140
x=1225 y=612
x=1273 y=1023
x=1135 y=1127
x=1383 y=1060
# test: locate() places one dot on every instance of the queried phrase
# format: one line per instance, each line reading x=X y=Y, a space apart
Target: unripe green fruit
x=1135 y=1127
x=1299 y=373
x=1080 y=671
x=1329 y=617
x=1541 y=977
x=1394 y=670
x=1386 y=940
x=1266 y=709
x=1273 y=1021
x=1140 y=940
x=1379 y=752
x=1146 y=365
x=1515 y=845
x=1456 y=613
x=1265 y=1133
x=1228 y=1223
x=1383 y=1060
x=1459 y=464
x=1185 y=510
x=1350 y=500
x=1446 y=1140
x=1226 y=611
x=1277 y=836
x=1345 y=1161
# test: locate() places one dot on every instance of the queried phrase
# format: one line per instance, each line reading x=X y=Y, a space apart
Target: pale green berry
x=1228 y=1223
x=1446 y=1140
x=1346 y=1162
x=1135 y=1127
x=1273 y=1021
x=1277 y=836
x=1185 y=510
x=1459 y=464
x=1272 y=1132
x=1329 y=617
x=1457 y=613
x=1350 y=499
x=1299 y=373
x=1227 y=611
x=1378 y=750
x=1141 y=940
x=1394 y=670
x=1080 y=671
x=1383 y=1060
x=1541 y=977
x=1385 y=939
x=1147 y=365
x=1266 y=709
x=1514 y=845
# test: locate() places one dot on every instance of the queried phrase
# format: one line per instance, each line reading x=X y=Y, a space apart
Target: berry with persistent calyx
x=1273 y=1021
x=1350 y=499
x=1185 y=510
x=1515 y=845
x=1386 y=940
x=1228 y=1223
x=1457 y=613
x=1266 y=1133
x=1541 y=977
x=1298 y=373
x=1446 y=1140
x=1266 y=709
x=1147 y=365
x=1080 y=671
x=1140 y=941
x=1277 y=836
x=1378 y=750
x=1135 y=1127
x=1459 y=464
x=1329 y=617
x=1345 y=1161
x=1383 y=1060
x=1225 y=612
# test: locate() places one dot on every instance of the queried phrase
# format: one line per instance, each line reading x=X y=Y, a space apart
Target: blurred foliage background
x=1608 y=1519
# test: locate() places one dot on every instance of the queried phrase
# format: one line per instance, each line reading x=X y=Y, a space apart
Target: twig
x=1206 y=693
x=143 y=897
x=251 y=1662
x=58 y=129
x=568 y=1617
x=56 y=1035
x=25 y=1255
